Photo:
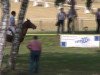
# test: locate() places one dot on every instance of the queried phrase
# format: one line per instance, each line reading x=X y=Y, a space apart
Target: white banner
x=80 y=40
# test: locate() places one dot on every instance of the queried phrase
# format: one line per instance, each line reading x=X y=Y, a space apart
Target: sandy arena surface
x=45 y=18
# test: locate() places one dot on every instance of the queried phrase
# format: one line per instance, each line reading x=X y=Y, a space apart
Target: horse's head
x=29 y=24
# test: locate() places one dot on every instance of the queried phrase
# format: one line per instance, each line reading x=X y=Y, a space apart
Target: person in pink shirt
x=35 y=50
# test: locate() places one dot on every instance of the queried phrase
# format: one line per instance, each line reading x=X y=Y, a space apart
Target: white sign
x=80 y=40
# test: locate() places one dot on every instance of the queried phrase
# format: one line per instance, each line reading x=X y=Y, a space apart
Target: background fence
x=48 y=24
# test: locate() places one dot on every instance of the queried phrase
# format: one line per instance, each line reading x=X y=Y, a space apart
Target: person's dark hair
x=13 y=12
x=35 y=37
x=61 y=8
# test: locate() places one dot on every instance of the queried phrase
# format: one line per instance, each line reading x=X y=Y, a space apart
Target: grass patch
x=56 y=60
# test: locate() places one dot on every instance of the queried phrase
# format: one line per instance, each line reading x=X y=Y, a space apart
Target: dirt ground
x=45 y=18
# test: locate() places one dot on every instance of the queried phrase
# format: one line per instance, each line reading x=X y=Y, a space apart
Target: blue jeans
x=60 y=28
x=34 y=61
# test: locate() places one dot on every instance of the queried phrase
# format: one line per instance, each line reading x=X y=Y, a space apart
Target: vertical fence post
x=82 y=24
x=41 y=24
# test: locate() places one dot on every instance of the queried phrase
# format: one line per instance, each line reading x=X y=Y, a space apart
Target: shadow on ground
x=76 y=32
x=60 y=64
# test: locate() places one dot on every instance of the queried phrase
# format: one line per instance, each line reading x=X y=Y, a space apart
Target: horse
x=27 y=24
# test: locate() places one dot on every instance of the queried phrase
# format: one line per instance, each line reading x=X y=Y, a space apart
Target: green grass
x=55 y=32
x=56 y=60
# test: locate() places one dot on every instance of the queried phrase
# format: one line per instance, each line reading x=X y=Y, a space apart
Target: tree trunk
x=5 y=22
x=16 y=42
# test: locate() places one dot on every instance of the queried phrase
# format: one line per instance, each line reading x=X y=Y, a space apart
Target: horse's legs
x=69 y=25
x=73 y=26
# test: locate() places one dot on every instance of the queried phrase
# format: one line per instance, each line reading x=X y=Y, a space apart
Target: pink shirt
x=34 y=45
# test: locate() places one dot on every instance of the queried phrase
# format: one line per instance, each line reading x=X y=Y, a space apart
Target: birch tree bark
x=16 y=42
x=5 y=22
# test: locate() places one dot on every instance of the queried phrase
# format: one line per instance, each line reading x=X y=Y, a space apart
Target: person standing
x=88 y=6
x=35 y=48
x=71 y=15
x=97 y=14
x=61 y=16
